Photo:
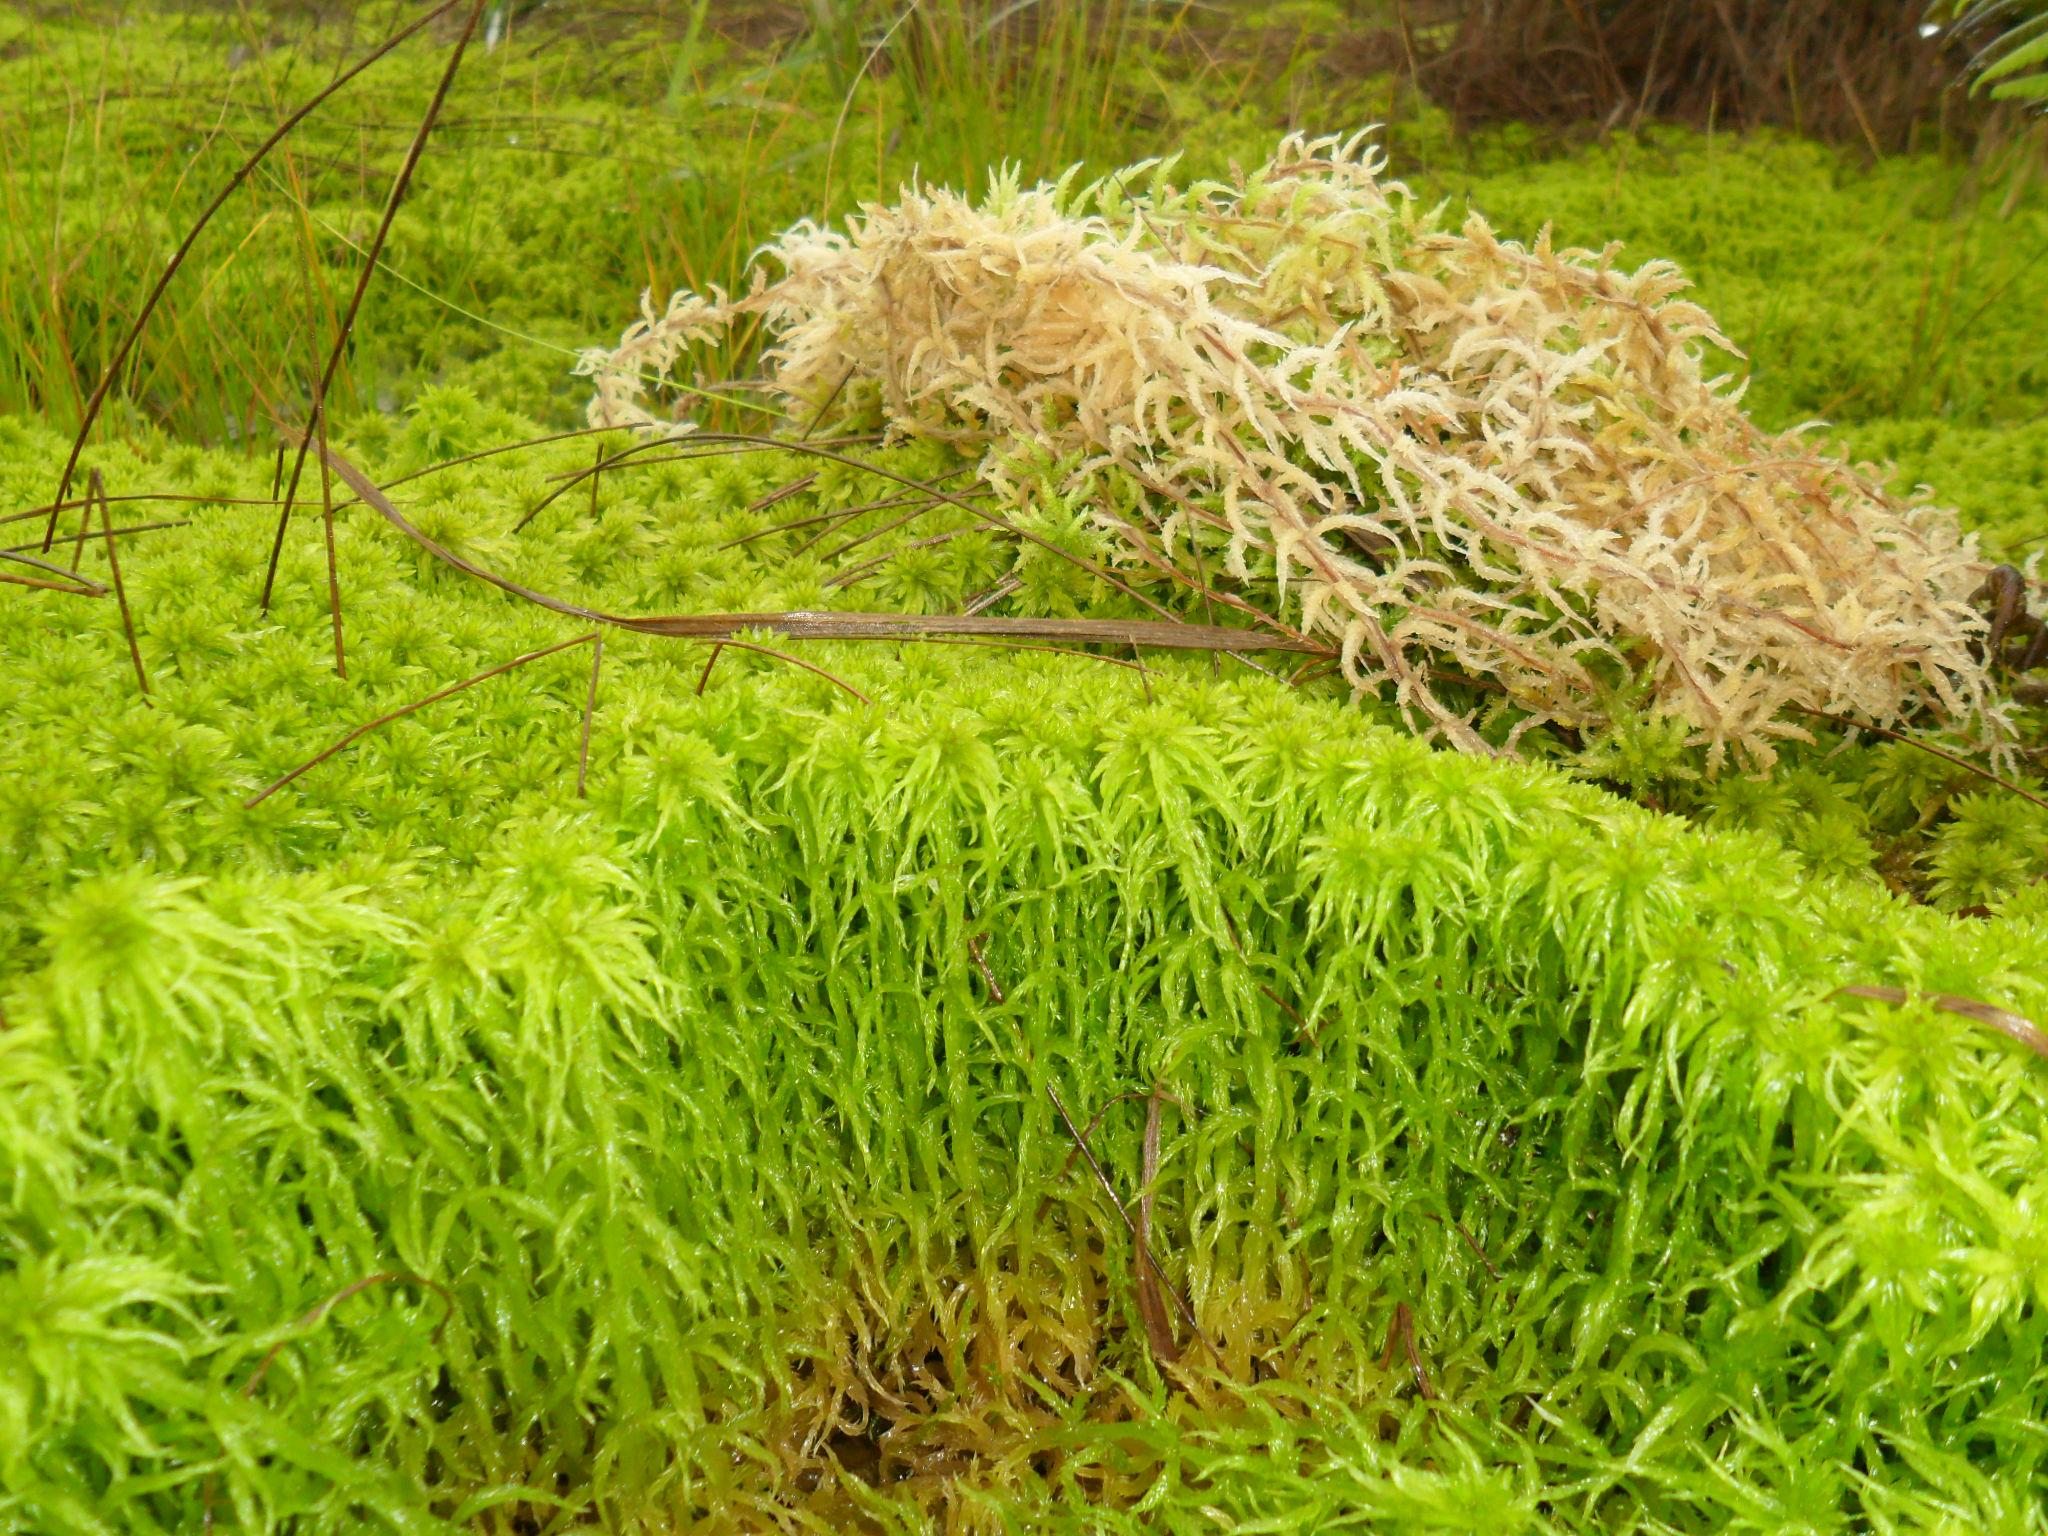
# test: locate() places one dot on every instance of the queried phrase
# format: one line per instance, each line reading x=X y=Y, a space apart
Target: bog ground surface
x=1002 y=1084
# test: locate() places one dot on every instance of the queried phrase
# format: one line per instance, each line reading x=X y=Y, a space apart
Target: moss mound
x=428 y=1148
x=431 y=1148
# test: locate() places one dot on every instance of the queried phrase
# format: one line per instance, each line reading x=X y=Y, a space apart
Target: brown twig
x=818 y=416
x=795 y=523
x=120 y=532
x=855 y=574
x=1128 y=1096
x=974 y=946
x=995 y=594
x=1302 y=1030
x=908 y=499
x=68 y=581
x=316 y=1314
x=1402 y=1331
x=333 y=566
x=1144 y=1249
x=43 y=510
x=1095 y=1123
x=704 y=677
x=992 y=519
x=1170 y=634
x=1142 y=1256
x=891 y=526
x=1471 y=1242
x=80 y=588
x=1151 y=1310
x=795 y=661
x=1928 y=747
x=354 y=1288
x=84 y=527
x=795 y=487
x=697 y=445
x=1155 y=634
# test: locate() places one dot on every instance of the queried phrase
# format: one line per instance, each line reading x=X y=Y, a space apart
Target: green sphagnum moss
x=672 y=1159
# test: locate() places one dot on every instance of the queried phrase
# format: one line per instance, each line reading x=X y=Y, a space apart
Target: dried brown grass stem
x=406 y=709
x=1170 y=634
x=345 y=331
x=242 y=172
x=2007 y=1023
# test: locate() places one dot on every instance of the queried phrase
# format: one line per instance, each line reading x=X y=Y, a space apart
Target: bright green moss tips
x=736 y=1194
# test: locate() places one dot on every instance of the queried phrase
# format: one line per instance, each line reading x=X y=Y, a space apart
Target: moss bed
x=677 y=1165
x=432 y=1147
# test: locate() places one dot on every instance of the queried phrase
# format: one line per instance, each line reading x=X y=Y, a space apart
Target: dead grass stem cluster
x=1448 y=453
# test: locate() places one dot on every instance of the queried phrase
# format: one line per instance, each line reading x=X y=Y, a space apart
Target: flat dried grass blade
x=1169 y=634
x=1151 y=1304
x=2007 y=1023
x=1180 y=1304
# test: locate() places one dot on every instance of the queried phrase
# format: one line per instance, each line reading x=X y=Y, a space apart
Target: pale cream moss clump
x=1458 y=456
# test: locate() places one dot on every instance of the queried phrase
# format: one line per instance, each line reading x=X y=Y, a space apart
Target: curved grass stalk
x=163 y=282
x=316 y=422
